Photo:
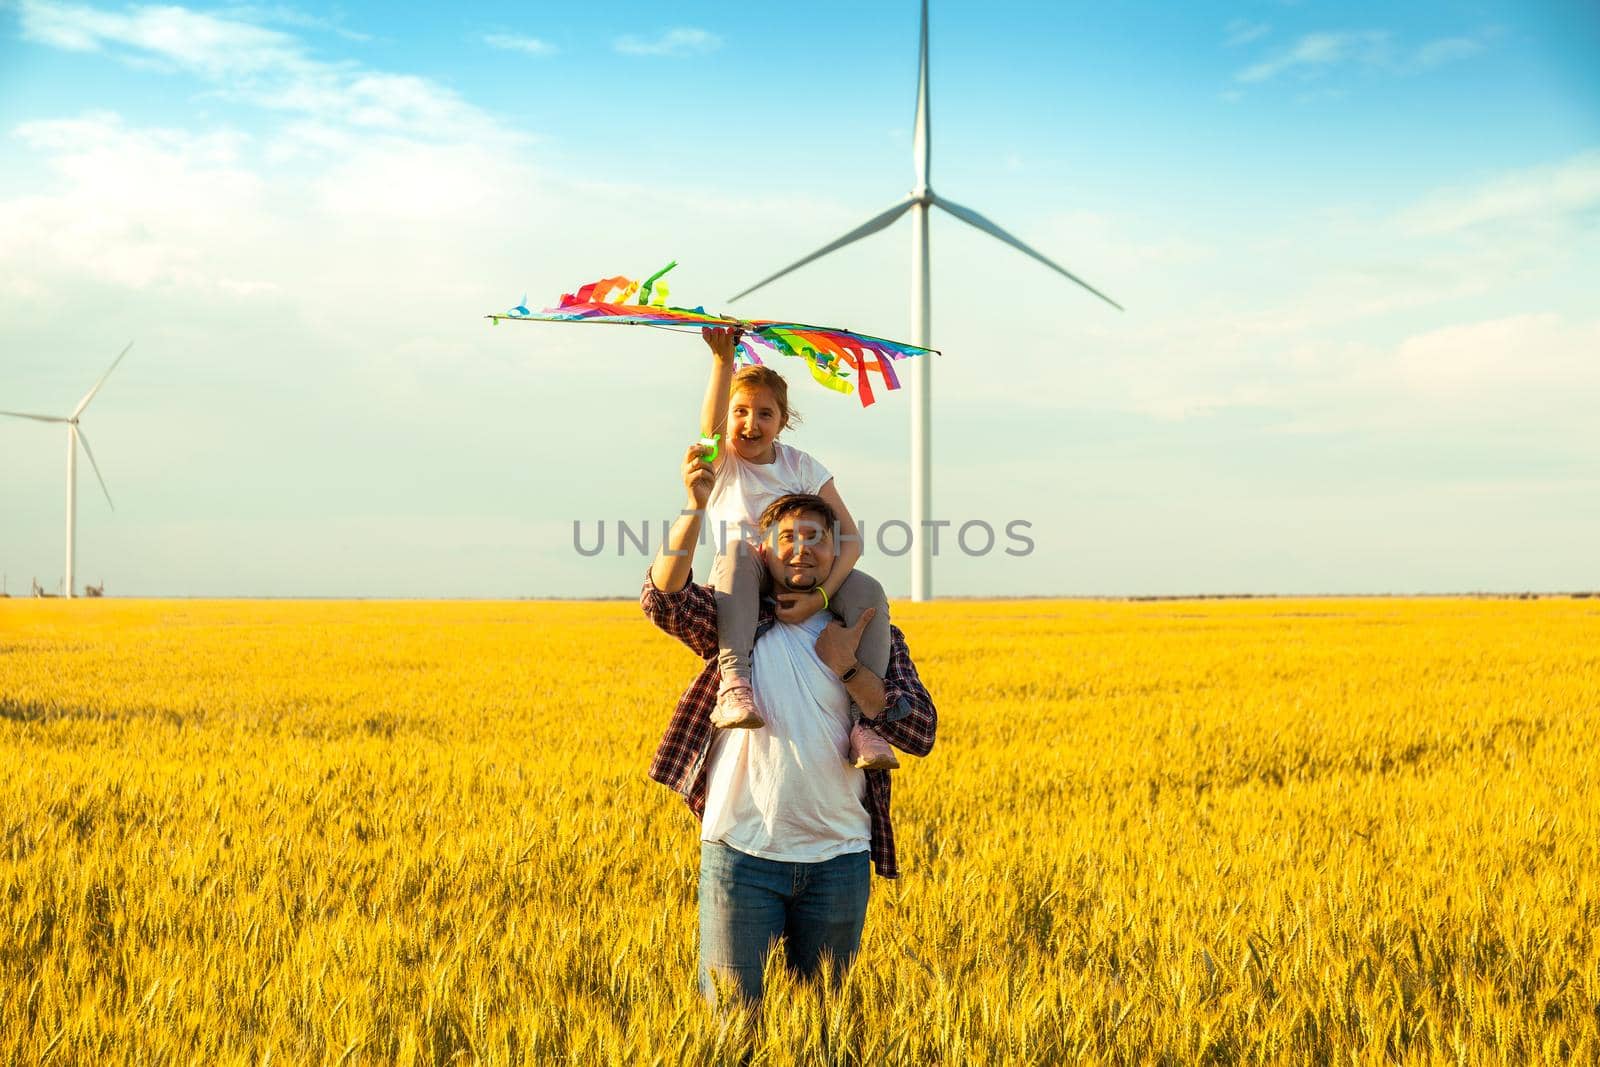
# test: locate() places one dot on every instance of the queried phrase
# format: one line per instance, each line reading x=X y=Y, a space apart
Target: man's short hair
x=799 y=504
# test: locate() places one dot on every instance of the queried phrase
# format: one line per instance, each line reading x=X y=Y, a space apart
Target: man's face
x=799 y=551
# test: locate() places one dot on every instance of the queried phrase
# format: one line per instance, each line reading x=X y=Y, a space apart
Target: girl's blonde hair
x=758 y=376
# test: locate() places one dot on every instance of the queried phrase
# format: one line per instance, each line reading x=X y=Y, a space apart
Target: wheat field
x=1290 y=831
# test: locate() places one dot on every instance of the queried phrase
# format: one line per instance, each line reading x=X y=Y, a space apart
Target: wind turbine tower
x=76 y=437
x=918 y=202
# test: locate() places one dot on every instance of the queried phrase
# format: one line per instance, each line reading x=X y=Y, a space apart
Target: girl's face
x=753 y=422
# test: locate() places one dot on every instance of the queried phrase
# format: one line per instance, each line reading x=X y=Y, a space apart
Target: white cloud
x=282 y=15
x=1318 y=51
x=1532 y=370
x=215 y=214
x=1531 y=373
x=1523 y=360
x=1536 y=194
x=264 y=67
x=205 y=44
x=1447 y=50
x=417 y=183
x=508 y=42
x=1464 y=309
x=679 y=42
x=1243 y=31
x=133 y=208
x=1316 y=54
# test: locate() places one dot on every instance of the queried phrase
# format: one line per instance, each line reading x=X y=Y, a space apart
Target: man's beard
x=801 y=582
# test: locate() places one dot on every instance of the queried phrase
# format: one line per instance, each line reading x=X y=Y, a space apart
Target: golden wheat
x=1190 y=831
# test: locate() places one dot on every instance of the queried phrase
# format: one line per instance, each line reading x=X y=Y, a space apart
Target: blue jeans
x=747 y=903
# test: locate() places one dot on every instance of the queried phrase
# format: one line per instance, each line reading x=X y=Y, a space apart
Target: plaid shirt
x=690 y=615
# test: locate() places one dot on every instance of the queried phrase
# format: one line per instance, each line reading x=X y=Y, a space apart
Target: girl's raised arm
x=848 y=549
x=714 y=411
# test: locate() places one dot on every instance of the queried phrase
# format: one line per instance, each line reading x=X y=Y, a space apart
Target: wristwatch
x=851 y=673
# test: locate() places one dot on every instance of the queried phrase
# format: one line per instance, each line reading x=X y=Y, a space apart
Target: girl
x=753 y=468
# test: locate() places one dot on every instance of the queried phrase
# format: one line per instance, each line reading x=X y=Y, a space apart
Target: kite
x=834 y=356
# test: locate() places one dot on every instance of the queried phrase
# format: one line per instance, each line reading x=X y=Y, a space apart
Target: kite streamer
x=834 y=356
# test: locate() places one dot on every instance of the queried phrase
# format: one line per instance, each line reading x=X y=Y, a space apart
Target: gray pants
x=739 y=579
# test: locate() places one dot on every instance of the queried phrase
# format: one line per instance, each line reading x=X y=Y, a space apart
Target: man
x=788 y=826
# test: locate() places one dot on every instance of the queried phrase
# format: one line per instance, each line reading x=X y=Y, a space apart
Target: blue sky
x=1357 y=245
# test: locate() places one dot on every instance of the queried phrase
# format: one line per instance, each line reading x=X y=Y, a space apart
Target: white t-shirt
x=743 y=490
x=786 y=791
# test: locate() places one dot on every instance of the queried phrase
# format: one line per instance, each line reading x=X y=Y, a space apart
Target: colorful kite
x=834 y=356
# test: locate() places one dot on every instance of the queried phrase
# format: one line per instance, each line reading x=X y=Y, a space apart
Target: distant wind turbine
x=920 y=199
x=75 y=437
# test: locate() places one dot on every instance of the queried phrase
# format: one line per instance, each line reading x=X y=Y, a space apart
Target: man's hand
x=798 y=607
x=837 y=643
x=698 y=477
x=722 y=340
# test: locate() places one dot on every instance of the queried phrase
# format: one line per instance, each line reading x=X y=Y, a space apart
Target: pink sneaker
x=869 y=751
x=736 y=709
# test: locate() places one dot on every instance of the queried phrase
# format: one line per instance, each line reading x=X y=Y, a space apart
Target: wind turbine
x=918 y=201
x=75 y=437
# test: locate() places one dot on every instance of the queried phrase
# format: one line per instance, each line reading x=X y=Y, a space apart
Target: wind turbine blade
x=84 y=441
x=977 y=221
x=35 y=418
x=90 y=394
x=921 y=143
x=871 y=226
